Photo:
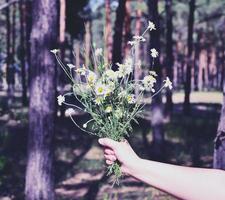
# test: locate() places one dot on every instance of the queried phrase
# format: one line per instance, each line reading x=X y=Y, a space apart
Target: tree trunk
x=187 y=85
x=157 y=107
x=196 y=60
x=108 y=31
x=22 y=53
x=39 y=174
x=118 y=33
x=219 y=143
x=169 y=54
x=14 y=30
x=28 y=32
x=127 y=31
x=8 y=29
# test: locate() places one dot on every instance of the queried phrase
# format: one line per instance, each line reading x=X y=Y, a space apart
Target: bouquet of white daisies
x=109 y=96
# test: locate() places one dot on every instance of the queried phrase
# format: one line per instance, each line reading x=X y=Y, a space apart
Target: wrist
x=133 y=168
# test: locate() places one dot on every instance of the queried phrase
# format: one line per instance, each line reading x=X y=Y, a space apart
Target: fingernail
x=100 y=141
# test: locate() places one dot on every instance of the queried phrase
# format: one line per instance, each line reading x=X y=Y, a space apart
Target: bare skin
x=183 y=182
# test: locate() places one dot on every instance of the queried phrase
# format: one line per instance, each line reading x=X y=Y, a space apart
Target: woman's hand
x=120 y=151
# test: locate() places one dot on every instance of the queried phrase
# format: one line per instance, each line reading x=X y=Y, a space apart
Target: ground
x=79 y=163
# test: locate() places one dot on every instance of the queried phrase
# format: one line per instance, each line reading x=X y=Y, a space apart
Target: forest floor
x=79 y=163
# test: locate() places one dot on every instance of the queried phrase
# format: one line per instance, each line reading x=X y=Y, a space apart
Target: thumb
x=108 y=142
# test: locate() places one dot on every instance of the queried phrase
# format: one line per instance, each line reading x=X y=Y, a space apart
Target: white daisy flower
x=154 y=53
x=131 y=43
x=55 y=51
x=81 y=71
x=110 y=74
x=149 y=82
x=91 y=77
x=151 y=26
x=102 y=90
x=139 y=38
x=69 y=112
x=131 y=99
x=168 y=83
x=99 y=100
x=108 y=109
x=153 y=73
x=71 y=66
x=60 y=100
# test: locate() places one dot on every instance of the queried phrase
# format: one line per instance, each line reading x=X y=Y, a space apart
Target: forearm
x=182 y=182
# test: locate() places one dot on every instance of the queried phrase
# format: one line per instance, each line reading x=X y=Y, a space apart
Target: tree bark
x=39 y=174
x=22 y=52
x=157 y=107
x=8 y=35
x=108 y=31
x=169 y=53
x=118 y=33
x=187 y=85
x=219 y=142
x=196 y=60
x=13 y=29
x=127 y=27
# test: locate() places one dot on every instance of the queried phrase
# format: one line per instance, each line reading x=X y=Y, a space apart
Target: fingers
x=108 y=143
x=110 y=157
x=109 y=151
x=108 y=162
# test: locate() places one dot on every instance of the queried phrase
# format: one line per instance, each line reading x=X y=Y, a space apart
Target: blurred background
x=184 y=126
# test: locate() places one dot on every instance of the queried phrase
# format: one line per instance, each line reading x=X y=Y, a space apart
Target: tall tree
x=118 y=33
x=187 y=85
x=219 y=143
x=22 y=51
x=157 y=107
x=169 y=52
x=196 y=59
x=8 y=35
x=127 y=27
x=108 y=30
x=39 y=174
x=14 y=29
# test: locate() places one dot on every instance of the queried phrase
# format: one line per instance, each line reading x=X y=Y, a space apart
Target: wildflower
x=110 y=74
x=168 y=83
x=125 y=69
x=131 y=99
x=71 y=66
x=154 y=53
x=153 y=73
x=98 y=100
x=60 y=100
x=102 y=90
x=108 y=109
x=151 y=26
x=98 y=52
x=81 y=71
x=69 y=112
x=139 y=38
x=131 y=43
x=148 y=82
x=85 y=125
x=55 y=51
x=91 y=78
